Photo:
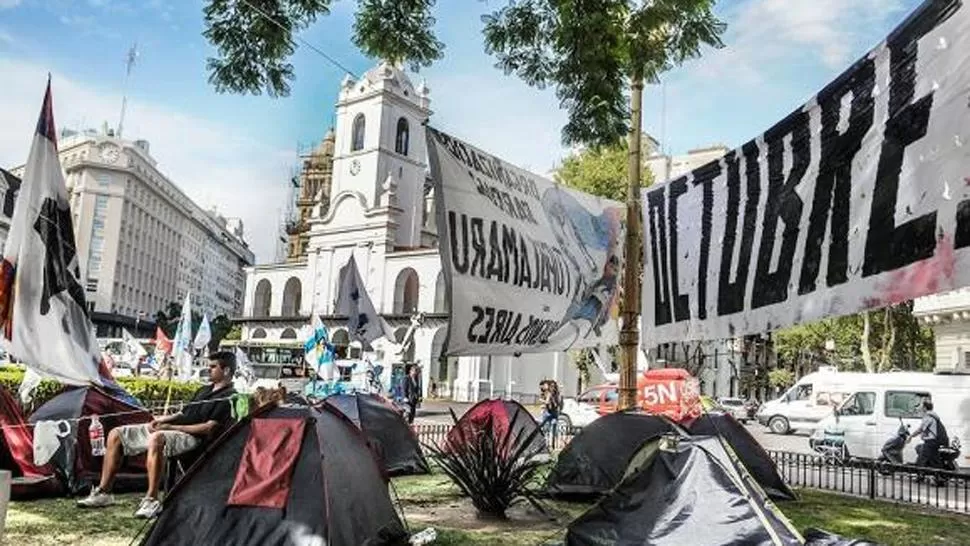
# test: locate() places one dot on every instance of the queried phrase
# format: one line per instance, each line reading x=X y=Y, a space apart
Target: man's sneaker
x=148 y=508
x=96 y=499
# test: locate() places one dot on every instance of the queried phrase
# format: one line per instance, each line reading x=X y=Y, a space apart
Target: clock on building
x=110 y=153
x=354 y=167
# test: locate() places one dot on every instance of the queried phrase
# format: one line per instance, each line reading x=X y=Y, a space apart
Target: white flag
x=182 y=348
x=28 y=384
x=42 y=305
x=243 y=365
x=204 y=335
x=133 y=347
x=363 y=322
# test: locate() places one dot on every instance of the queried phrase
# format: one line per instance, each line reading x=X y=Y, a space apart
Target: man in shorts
x=201 y=421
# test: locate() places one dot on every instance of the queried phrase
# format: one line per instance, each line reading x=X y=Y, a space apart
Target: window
x=860 y=403
x=612 y=396
x=401 y=142
x=905 y=404
x=357 y=138
x=590 y=396
x=800 y=392
x=104 y=180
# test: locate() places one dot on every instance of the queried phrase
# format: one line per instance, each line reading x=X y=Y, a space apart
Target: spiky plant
x=496 y=469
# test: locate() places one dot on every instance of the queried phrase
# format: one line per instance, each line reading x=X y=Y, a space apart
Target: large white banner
x=531 y=266
x=858 y=199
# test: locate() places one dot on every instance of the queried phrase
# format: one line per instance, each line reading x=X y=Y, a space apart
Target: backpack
x=941 y=435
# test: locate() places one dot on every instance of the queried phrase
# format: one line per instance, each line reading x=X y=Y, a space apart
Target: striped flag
x=318 y=351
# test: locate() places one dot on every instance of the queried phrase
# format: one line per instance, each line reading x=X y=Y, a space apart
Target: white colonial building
x=366 y=193
x=948 y=314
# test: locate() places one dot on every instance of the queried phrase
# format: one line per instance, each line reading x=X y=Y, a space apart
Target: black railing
x=436 y=433
x=868 y=478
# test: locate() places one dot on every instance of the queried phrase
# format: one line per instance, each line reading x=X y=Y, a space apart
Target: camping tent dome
x=594 y=461
x=17 y=454
x=754 y=457
x=385 y=429
x=282 y=476
x=502 y=414
x=74 y=459
x=684 y=490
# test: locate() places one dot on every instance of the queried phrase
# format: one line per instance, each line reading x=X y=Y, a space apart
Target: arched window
x=403 y=134
x=258 y=333
x=263 y=298
x=288 y=333
x=357 y=140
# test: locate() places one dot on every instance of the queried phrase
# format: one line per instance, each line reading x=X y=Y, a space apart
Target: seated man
x=202 y=420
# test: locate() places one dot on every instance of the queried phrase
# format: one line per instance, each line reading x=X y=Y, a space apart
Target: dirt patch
x=461 y=514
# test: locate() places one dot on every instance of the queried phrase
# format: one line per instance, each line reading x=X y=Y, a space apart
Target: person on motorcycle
x=933 y=434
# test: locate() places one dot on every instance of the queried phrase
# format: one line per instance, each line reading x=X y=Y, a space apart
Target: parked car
x=736 y=407
x=589 y=406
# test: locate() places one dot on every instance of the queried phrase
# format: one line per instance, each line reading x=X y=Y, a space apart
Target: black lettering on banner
x=704 y=177
x=889 y=246
x=961 y=238
x=496 y=265
x=478 y=244
x=833 y=186
x=661 y=288
x=730 y=295
x=681 y=302
x=459 y=257
x=511 y=251
x=489 y=321
x=783 y=204
x=479 y=316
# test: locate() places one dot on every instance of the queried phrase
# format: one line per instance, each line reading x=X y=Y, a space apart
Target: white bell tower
x=380 y=150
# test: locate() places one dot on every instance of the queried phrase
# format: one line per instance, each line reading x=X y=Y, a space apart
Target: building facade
x=375 y=203
x=142 y=243
x=948 y=314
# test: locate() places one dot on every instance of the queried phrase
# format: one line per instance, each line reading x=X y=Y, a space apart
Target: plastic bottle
x=96 y=435
x=427 y=536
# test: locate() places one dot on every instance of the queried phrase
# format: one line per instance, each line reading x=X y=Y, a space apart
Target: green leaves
x=254 y=40
x=601 y=172
x=398 y=31
x=591 y=49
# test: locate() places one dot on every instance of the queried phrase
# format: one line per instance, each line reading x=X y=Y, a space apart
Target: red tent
x=17 y=453
x=501 y=414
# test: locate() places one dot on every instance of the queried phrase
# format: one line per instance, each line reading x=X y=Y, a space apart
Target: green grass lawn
x=433 y=501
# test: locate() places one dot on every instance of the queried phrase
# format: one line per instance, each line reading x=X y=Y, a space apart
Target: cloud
x=6 y=37
x=6 y=4
x=213 y=163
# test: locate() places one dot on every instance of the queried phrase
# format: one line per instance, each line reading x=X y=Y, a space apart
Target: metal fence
x=868 y=478
x=436 y=433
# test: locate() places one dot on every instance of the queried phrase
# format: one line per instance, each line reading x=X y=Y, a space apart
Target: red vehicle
x=668 y=391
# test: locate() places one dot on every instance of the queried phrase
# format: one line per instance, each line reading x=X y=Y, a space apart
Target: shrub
x=150 y=391
x=496 y=472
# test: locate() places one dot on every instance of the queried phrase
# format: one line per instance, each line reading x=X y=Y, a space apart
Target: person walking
x=412 y=392
x=551 y=406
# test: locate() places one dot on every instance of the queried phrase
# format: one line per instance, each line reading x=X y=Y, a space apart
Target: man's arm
x=166 y=419
x=201 y=429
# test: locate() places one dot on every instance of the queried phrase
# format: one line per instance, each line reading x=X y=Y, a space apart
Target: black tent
x=283 y=476
x=74 y=459
x=754 y=457
x=386 y=431
x=594 y=461
x=684 y=490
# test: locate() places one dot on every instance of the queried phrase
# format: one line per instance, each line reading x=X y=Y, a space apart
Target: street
x=437 y=412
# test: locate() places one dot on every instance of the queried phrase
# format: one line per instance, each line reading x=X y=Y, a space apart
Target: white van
x=810 y=400
x=871 y=415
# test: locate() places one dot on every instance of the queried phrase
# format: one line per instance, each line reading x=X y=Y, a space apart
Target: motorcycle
x=892 y=451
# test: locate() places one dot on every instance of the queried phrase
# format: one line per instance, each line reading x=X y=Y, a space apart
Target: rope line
x=117 y=413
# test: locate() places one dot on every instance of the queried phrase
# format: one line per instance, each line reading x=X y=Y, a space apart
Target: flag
x=363 y=322
x=317 y=350
x=133 y=347
x=182 y=344
x=28 y=384
x=204 y=335
x=43 y=312
x=243 y=365
x=163 y=345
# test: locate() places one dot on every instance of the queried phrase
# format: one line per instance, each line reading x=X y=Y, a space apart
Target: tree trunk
x=629 y=328
x=889 y=342
x=864 y=343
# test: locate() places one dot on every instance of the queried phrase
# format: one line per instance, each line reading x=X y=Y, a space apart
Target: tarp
x=858 y=199
x=671 y=392
x=689 y=493
x=337 y=493
x=530 y=266
x=386 y=431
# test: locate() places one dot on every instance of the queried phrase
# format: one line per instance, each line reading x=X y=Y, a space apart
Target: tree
x=599 y=171
x=781 y=378
x=254 y=39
